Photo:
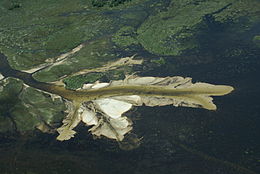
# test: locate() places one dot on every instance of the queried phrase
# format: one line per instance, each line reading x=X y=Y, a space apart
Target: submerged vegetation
x=110 y=3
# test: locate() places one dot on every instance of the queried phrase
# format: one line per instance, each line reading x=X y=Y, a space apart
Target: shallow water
x=212 y=137
x=175 y=140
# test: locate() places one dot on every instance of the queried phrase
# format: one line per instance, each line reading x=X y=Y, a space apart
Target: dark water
x=175 y=140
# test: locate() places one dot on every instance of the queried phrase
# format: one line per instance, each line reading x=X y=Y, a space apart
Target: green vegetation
x=78 y=81
x=9 y=91
x=118 y=74
x=256 y=40
x=125 y=37
x=175 y=30
x=93 y=55
x=35 y=108
x=42 y=29
x=25 y=108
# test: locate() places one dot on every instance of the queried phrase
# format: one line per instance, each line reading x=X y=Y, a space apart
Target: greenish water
x=175 y=140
